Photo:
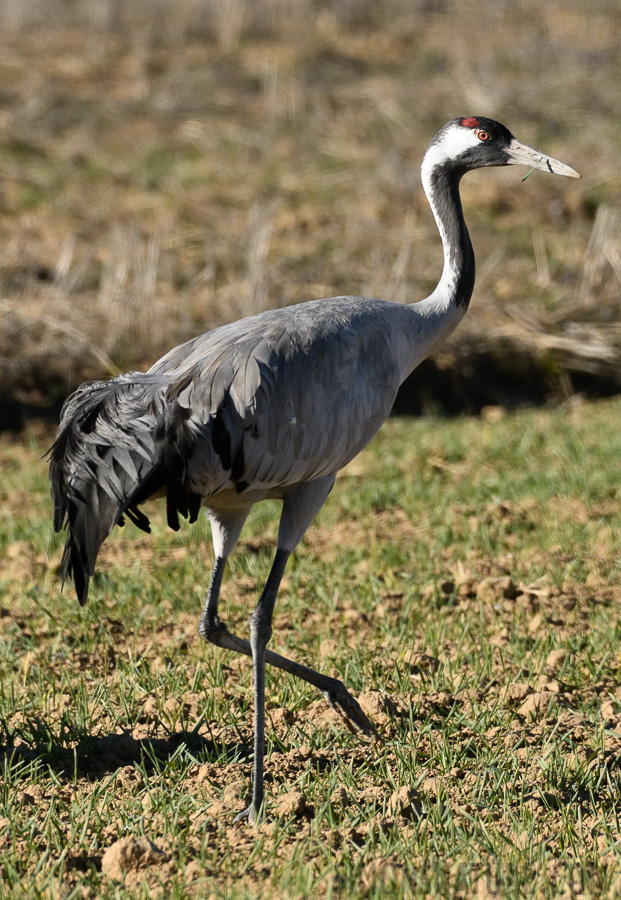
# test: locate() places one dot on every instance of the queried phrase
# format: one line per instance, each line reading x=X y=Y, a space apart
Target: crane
x=271 y=406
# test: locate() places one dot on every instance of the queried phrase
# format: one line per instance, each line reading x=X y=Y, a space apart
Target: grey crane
x=272 y=406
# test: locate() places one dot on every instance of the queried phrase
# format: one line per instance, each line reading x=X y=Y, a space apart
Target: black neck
x=458 y=253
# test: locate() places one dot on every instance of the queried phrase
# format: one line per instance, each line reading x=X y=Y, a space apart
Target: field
x=164 y=173
x=463 y=579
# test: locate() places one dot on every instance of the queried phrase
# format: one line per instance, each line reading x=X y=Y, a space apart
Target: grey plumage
x=272 y=406
x=238 y=414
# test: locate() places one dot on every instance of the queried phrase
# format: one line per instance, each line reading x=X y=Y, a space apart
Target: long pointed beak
x=522 y=155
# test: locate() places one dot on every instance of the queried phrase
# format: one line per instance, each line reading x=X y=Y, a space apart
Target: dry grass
x=165 y=171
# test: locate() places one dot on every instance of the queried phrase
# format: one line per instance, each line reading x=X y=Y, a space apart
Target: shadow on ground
x=96 y=757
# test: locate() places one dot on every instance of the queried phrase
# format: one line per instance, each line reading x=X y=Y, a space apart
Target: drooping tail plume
x=103 y=463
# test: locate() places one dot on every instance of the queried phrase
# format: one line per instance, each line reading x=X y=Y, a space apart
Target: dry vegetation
x=169 y=166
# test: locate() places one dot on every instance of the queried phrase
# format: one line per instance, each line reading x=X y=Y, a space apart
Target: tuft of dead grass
x=166 y=169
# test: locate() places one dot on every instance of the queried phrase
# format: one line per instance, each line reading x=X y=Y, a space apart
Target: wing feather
x=276 y=399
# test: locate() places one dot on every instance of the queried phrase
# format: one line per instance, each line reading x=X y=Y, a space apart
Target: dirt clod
x=405 y=802
x=517 y=693
x=379 y=707
x=281 y=718
x=420 y=662
x=293 y=805
x=382 y=871
x=130 y=854
x=555 y=661
x=536 y=705
x=150 y=712
x=193 y=870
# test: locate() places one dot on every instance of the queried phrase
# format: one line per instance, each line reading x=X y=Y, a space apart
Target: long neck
x=441 y=185
x=428 y=323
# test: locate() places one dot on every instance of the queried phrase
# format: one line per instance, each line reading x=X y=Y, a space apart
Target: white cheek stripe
x=452 y=144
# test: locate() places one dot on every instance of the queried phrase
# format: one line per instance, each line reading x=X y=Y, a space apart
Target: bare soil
x=545 y=702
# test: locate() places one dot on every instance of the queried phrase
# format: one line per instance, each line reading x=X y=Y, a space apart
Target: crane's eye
x=482 y=135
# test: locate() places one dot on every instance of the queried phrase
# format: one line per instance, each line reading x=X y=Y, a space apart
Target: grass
x=463 y=580
x=162 y=176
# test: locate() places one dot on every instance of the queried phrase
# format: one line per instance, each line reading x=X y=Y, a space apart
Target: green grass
x=483 y=544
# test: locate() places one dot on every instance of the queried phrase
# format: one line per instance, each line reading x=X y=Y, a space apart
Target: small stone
x=420 y=662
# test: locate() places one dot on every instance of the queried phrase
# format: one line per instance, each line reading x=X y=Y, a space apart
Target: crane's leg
x=226 y=527
x=260 y=633
x=299 y=509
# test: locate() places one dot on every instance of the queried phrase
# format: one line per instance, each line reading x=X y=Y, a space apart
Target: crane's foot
x=215 y=631
x=251 y=817
x=348 y=707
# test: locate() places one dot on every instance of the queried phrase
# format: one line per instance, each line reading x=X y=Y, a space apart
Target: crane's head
x=475 y=141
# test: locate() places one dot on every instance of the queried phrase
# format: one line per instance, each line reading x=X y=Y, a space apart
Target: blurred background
x=169 y=166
